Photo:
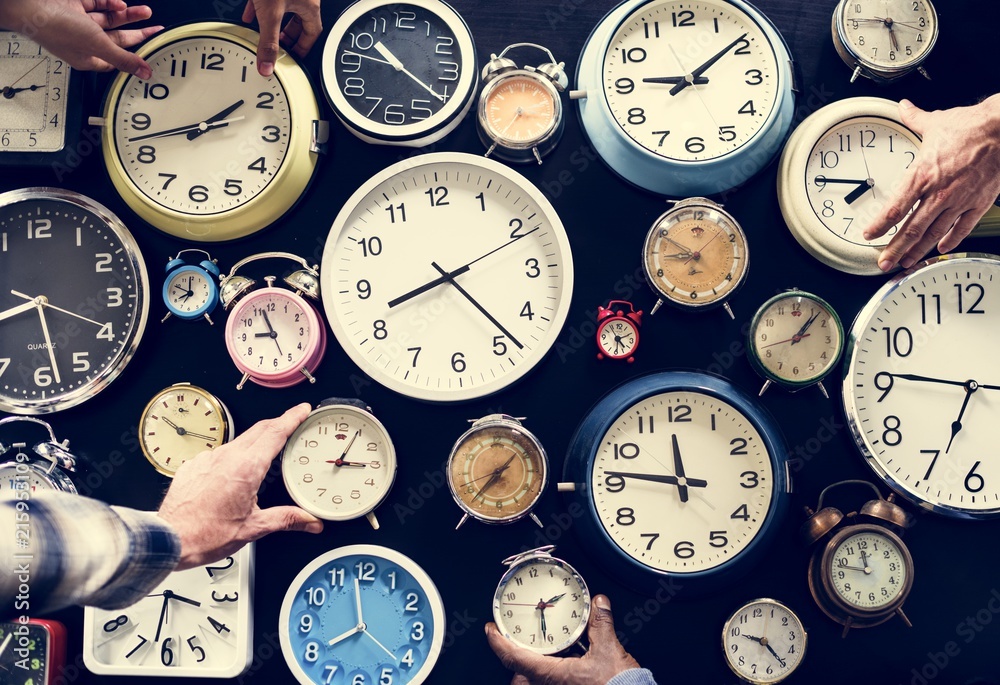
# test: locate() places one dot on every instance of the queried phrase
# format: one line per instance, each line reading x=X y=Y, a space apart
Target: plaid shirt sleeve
x=633 y=676
x=60 y=549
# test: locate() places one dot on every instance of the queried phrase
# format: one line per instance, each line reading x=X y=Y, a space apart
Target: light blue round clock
x=190 y=291
x=362 y=615
x=685 y=98
x=683 y=478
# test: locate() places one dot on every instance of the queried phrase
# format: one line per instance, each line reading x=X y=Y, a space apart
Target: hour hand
x=215 y=118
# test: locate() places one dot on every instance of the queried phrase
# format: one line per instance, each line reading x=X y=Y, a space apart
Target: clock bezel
x=417 y=134
x=126 y=352
x=861 y=324
x=281 y=193
x=579 y=467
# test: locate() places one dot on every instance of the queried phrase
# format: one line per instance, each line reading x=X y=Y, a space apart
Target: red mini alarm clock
x=618 y=330
x=32 y=653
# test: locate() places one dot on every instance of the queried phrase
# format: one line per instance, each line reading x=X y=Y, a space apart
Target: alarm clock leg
x=767 y=384
x=906 y=620
x=243 y=382
x=534 y=518
x=372 y=520
x=822 y=389
x=464 y=519
x=729 y=310
x=165 y=318
x=207 y=318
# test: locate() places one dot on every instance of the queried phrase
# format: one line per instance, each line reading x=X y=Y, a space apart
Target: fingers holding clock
x=299 y=35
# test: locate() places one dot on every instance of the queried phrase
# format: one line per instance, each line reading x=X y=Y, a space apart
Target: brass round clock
x=207 y=149
x=179 y=423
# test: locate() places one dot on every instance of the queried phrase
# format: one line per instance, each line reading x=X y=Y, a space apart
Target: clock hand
x=678 y=255
x=171 y=595
x=271 y=332
x=453 y=274
x=398 y=66
x=555 y=599
x=216 y=119
x=451 y=279
x=48 y=339
x=823 y=180
x=853 y=196
x=851 y=568
x=805 y=327
x=357 y=601
x=190 y=129
x=199 y=435
x=340 y=638
x=541 y=615
x=970 y=388
x=669 y=480
x=14 y=311
x=40 y=63
x=679 y=468
x=791 y=340
x=341 y=462
x=365 y=631
x=674 y=80
x=689 y=80
x=9 y=91
x=163 y=616
x=6 y=642
x=46 y=303
x=683 y=247
x=349 y=444
x=892 y=35
x=373 y=59
x=928 y=379
x=696 y=255
x=494 y=477
x=773 y=653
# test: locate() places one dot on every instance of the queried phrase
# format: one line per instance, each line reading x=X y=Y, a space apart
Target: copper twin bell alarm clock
x=862 y=573
x=274 y=335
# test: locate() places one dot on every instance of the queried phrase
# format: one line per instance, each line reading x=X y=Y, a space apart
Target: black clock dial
x=73 y=300
x=398 y=64
x=18 y=667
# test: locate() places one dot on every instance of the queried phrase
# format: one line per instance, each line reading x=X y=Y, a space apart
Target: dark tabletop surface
x=956 y=562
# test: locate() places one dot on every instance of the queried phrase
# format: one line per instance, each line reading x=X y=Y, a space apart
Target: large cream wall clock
x=207 y=149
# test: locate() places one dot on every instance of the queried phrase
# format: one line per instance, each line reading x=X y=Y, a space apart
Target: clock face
x=543 y=604
x=653 y=50
x=73 y=299
x=340 y=463
x=207 y=133
x=696 y=256
x=397 y=70
x=682 y=481
x=25 y=655
x=868 y=570
x=497 y=472
x=891 y=34
x=520 y=110
x=189 y=290
x=431 y=308
x=34 y=480
x=178 y=424
x=916 y=388
x=362 y=614
x=764 y=641
x=196 y=624
x=797 y=339
x=853 y=170
x=272 y=333
x=618 y=337
x=34 y=85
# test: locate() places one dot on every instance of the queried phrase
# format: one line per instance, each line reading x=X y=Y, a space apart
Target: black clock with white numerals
x=400 y=73
x=74 y=295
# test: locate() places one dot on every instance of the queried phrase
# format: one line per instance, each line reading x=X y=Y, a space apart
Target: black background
x=956 y=562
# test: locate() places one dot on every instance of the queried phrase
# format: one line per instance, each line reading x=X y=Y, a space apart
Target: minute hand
x=669 y=480
x=705 y=67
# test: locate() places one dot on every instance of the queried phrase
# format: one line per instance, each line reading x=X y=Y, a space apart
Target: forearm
x=64 y=549
x=633 y=676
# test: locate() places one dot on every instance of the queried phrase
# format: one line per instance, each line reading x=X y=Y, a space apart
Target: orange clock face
x=520 y=110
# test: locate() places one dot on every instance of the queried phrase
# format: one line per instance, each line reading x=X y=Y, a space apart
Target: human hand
x=85 y=33
x=212 y=503
x=605 y=659
x=955 y=177
x=299 y=34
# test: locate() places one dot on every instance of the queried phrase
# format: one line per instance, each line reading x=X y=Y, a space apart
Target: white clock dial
x=617 y=337
x=922 y=389
x=764 y=641
x=853 y=170
x=340 y=463
x=542 y=605
x=272 y=332
x=447 y=277
x=12 y=480
x=658 y=46
x=34 y=92
x=190 y=291
x=867 y=570
x=207 y=133
x=891 y=34
x=197 y=623
x=682 y=482
x=179 y=423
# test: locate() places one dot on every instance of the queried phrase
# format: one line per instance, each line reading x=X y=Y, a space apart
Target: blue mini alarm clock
x=682 y=476
x=190 y=291
x=685 y=99
x=362 y=614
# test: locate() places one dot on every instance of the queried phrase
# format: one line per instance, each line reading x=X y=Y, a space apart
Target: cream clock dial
x=884 y=39
x=447 y=277
x=198 y=623
x=922 y=384
x=179 y=423
x=208 y=149
x=34 y=92
x=764 y=642
x=867 y=570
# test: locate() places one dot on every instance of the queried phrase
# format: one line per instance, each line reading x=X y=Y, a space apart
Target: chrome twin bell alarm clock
x=520 y=110
x=274 y=335
x=190 y=291
x=46 y=466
